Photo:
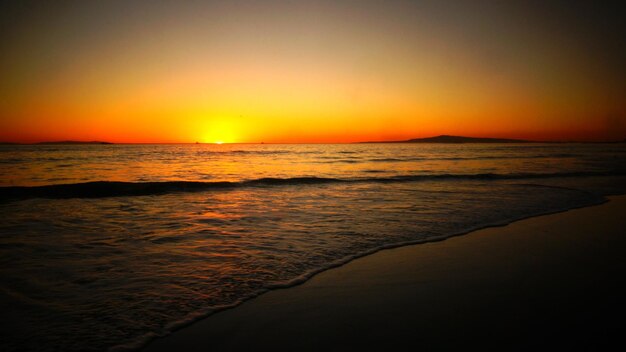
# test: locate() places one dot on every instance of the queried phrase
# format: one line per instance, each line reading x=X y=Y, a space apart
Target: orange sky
x=279 y=71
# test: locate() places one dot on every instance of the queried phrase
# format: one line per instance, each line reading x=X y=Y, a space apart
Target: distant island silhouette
x=455 y=139
x=74 y=142
x=55 y=143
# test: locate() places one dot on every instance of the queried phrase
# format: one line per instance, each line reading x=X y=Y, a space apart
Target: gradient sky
x=310 y=71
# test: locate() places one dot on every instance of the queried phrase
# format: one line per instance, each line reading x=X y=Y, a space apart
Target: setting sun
x=220 y=130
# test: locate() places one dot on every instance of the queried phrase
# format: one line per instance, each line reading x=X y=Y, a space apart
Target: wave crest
x=100 y=189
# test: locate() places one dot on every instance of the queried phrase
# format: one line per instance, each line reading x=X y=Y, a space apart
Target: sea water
x=108 y=246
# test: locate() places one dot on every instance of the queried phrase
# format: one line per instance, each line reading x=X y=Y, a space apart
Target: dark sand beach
x=554 y=281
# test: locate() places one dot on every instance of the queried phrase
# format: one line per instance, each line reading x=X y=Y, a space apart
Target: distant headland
x=455 y=139
x=57 y=143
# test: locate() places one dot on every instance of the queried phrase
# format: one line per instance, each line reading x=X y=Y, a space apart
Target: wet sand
x=554 y=281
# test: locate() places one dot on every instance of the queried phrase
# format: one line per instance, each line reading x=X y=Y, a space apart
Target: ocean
x=109 y=246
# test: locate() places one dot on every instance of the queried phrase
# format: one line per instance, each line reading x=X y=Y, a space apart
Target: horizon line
x=96 y=142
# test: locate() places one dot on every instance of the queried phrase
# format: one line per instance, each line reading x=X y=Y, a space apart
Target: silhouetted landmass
x=456 y=139
x=56 y=143
x=460 y=139
x=74 y=142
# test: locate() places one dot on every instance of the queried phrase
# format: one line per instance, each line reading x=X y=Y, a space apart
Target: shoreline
x=255 y=314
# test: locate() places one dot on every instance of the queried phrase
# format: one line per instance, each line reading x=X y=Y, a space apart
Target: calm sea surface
x=108 y=246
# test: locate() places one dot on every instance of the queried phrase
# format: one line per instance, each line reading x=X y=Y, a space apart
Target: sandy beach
x=550 y=281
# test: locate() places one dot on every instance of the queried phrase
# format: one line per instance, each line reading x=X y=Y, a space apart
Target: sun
x=220 y=131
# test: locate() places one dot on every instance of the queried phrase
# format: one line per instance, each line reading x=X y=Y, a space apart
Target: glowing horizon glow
x=291 y=72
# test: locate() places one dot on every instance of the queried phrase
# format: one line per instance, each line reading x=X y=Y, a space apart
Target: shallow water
x=31 y=165
x=95 y=270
